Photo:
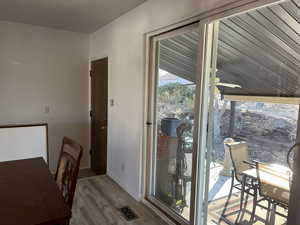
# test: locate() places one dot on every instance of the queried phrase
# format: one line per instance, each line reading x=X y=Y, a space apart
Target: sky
x=167 y=78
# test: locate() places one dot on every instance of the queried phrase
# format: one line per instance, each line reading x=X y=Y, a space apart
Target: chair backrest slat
x=68 y=168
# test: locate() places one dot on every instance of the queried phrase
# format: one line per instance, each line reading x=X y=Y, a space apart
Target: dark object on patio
x=274 y=195
x=181 y=177
x=128 y=213
x=169 y=126
x=68 y=168
x=240 y=158
x=291 y=155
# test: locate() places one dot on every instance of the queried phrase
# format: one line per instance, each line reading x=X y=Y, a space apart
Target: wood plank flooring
x=97 y=202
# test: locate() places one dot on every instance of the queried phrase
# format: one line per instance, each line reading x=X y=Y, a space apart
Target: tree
x=175 y=100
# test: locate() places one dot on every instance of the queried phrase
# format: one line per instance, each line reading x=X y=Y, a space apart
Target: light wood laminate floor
x=97 y=202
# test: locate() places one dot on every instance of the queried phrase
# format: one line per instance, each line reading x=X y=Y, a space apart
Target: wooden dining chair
x=68 y=168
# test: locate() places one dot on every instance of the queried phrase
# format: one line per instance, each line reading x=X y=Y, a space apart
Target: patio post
x=232 y=118
x=227 y=166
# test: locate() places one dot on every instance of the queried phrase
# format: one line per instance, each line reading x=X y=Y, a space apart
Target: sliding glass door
x=223 y=108
x=171 y=118
x=252 y=98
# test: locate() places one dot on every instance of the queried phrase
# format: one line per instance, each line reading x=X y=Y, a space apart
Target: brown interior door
x=99 y=95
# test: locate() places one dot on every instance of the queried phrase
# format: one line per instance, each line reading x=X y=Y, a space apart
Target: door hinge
x=91 y=113
x=91 y=73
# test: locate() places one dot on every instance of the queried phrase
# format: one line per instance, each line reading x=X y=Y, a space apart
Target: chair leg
x=243 y=210
x=228 y=198
x=273 y=214
x=254 y=206
x=268 y=213
x=242 y=198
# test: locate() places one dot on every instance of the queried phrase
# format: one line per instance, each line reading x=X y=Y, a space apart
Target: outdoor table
x=276 y=179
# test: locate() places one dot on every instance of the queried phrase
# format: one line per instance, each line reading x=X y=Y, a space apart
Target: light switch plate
x=112 y=102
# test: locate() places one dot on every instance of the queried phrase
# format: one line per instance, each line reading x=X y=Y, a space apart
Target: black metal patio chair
x=273 y=194
x=240 y=163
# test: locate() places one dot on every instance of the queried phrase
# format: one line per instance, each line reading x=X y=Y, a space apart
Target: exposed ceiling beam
x=276 y=100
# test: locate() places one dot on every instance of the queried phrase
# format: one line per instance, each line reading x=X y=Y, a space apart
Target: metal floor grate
x=128 y=213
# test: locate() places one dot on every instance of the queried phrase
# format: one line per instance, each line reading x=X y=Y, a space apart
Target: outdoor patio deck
x=218 y=192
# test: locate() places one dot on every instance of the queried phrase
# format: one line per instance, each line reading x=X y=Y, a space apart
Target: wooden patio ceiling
x=258 y=50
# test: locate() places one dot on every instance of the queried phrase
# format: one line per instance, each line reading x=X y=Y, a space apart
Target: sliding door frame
x=200 y=152
x=151 y=120
x=208 y=74
x=205 y=24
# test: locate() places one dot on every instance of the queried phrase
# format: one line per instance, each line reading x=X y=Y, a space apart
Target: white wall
x=39 y=68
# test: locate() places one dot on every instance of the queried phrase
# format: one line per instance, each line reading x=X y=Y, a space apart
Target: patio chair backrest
x=266 y=189
x=292 y=154
x=239 y=154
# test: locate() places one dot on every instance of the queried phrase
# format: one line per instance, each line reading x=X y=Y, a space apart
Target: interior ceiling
x=75 y=15
x=258 y=50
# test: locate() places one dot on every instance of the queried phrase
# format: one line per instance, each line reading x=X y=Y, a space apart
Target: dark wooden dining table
x=29 y=194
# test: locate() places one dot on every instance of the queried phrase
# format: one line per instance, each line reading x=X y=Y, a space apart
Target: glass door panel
x=173 y=123
x=252 y=116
